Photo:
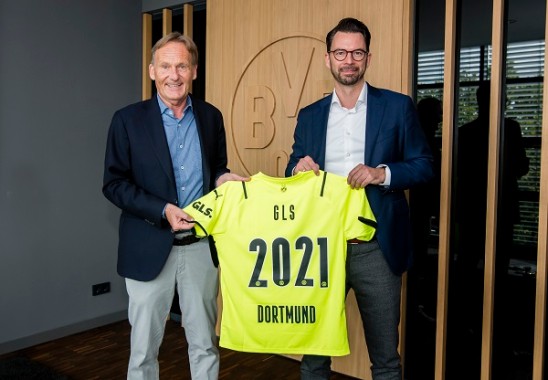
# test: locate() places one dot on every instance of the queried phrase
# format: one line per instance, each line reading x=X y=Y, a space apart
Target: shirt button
x=181 y=146
x=182 y=167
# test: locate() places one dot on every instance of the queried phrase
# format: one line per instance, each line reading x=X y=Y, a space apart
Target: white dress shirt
x=345 y=139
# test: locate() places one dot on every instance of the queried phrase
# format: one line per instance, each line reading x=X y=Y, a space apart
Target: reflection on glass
x=518 y=198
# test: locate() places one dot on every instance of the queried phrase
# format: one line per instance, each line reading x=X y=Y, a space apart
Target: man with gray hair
x=161 y=155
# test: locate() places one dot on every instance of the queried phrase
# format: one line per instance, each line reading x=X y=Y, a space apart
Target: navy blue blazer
x=393 y=137
x=139 y=179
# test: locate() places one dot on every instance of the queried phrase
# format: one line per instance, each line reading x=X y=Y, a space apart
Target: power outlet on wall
x=101 y=288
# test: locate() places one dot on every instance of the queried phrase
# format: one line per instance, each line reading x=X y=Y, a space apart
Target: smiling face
x=348 y=72
x=173 y=73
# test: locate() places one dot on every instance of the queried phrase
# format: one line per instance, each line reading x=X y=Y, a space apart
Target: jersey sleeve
x=353 y=207
x=207 y=211
x=357 y=209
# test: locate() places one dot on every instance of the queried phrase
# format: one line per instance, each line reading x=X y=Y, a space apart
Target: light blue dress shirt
x=186 y=156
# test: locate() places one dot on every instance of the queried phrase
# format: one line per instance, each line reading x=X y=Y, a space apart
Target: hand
x=230 y=177
x=305 y=164
x=178 y=219
x=363 y=175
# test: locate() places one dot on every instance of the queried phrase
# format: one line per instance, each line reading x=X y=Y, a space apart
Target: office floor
x=102 y=353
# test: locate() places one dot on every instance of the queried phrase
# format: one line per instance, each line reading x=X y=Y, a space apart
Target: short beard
x=348 y=80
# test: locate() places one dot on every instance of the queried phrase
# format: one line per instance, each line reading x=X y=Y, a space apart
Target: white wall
x=65 y=67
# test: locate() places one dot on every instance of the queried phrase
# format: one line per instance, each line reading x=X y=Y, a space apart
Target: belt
x=355 y=241
x=185 y=240
x=358 y=241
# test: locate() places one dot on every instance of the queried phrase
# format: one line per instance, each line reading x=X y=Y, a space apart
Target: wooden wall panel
x=146 y=84
x=265 y=61
x=449 y=95
x=495 y=121
x=167 y=21
x=542 y=264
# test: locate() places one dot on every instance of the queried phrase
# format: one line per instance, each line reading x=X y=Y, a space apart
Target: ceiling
x=526 y=22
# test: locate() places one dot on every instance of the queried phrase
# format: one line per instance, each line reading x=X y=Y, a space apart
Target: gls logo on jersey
x=202 y=208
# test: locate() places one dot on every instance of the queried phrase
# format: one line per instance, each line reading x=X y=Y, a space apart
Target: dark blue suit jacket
x=393 y=137
x=139 y=179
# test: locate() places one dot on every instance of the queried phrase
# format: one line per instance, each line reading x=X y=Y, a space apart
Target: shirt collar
x=362 y=99
x=164 y=108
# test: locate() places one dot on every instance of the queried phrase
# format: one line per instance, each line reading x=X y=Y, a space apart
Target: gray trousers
x=190 y=269
x=378 y=294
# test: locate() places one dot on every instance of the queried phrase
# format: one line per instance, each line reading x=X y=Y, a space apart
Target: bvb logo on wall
x=281 y=78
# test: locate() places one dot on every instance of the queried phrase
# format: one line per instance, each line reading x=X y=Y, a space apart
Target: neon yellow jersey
x=282 y=252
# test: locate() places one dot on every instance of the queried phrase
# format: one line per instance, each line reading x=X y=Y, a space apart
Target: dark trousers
x=378 y=294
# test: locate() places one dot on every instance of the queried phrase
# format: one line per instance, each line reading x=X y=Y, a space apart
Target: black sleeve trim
x=323 y=183
x=245 y=189
x=369 y=222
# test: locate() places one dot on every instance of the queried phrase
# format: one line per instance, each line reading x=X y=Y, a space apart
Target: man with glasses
x=373 y=137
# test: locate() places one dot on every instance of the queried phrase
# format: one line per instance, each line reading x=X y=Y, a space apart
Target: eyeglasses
x=357 y=55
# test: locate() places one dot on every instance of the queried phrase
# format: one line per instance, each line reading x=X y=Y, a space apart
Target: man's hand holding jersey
x=358 y=178
x=180 y=220
x=177 y=218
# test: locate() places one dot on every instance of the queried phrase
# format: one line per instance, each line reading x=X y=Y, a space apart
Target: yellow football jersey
x=282 y=252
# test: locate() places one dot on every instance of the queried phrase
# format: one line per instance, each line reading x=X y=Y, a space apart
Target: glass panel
x=519 y=190
x=424 y=209
x=518 y=194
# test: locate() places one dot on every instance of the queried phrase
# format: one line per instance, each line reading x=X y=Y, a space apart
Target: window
x=525 y=71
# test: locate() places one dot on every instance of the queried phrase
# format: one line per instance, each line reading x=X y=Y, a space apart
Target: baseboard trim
x=46 y=336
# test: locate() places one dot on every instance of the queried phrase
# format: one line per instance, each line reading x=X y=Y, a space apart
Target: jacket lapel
x=200 y=120
x=155 y=128
x=323 y=118
x=375 y=115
